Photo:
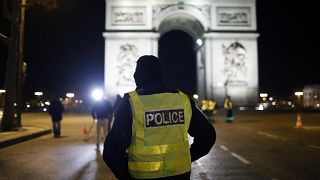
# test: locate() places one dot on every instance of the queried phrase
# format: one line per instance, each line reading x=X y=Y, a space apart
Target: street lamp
x=2 y=91
x=38 y=93
x=70 y=96
x=298 y=122
x=298 y=94
x=264 y=96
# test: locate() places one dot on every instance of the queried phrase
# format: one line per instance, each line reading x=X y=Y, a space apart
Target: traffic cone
x=85 y=131
x=299 y=122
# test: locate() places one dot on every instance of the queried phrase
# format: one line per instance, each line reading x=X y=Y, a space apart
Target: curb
x=23 y=138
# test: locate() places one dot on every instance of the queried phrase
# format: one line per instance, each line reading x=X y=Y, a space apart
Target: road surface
x=257 y=145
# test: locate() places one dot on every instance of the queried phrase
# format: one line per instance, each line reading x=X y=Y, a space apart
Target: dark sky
x=65 y=49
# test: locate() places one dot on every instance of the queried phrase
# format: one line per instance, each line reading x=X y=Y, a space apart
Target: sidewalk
x=9 y=138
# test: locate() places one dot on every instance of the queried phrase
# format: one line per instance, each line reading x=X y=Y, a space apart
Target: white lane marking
x=315 y=147
x=312 y=128
x=235 y=155
x=272 y=136
x=240 y=158
x=224 y=148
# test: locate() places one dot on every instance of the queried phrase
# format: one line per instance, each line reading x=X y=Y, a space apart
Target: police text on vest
x=164 y=117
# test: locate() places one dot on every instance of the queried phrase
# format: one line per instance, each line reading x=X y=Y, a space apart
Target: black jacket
x=55 y=110
x=119 y=138
x=102 y=109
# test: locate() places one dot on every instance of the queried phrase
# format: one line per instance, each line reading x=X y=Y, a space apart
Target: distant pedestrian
x=228 y=105
x=55 y=110
x=102 y=113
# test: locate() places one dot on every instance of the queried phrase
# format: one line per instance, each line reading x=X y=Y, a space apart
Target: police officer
x=228 y=106
x=149 y=137
x=208 y=107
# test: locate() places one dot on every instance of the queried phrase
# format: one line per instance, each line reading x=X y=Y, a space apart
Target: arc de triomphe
x=227 y=60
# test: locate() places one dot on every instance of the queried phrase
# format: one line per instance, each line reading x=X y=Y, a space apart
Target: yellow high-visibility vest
x=207 y=105
x=159 y=145
x=228 y=104
x=204 y=105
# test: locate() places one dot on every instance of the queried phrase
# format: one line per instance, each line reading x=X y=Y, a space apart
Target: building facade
x=311 y=96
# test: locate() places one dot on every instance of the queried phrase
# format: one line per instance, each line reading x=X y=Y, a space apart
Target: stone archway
x=226 y=62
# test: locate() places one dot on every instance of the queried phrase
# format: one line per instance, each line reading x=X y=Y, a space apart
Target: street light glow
x=2 y=91
x=299 y=93
x=263 y=95
x=199 y=42
x=70 y=95
x=38 y=93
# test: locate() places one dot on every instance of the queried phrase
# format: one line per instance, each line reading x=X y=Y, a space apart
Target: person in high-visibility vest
x=228 y=105
x=208 y=107
x=149 y=136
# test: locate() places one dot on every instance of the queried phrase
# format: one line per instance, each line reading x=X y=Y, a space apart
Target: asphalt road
x=256 y=146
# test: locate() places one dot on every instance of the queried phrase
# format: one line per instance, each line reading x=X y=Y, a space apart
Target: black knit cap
x=148 y=70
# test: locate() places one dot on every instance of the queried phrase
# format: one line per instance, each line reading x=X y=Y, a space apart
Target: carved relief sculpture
x=135 y=15
x=126 y=60
x=235 y=69
x=233 y=16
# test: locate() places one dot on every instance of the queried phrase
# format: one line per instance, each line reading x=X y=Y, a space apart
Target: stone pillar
x=201 y=78
x=232 y=67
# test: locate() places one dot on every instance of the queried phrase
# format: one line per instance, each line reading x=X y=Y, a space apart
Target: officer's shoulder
x=126 y=95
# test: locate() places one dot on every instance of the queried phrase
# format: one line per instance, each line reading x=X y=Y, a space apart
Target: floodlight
x=97 y=94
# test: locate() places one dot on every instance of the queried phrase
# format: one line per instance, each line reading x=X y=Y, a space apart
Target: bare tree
x=14 y=12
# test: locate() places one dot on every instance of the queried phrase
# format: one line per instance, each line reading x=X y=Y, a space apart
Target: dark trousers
x=229 y=115
x=56 y=125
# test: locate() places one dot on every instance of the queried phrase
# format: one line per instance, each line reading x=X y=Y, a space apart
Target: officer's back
x=149 y=137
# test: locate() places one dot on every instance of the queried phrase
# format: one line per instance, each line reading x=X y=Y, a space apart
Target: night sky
x=64 y=49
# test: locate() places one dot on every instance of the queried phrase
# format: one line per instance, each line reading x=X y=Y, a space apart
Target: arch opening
x=180 y=52
x=178 y=57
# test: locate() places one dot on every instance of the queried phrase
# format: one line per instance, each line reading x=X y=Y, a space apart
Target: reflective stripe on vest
x=159 y=146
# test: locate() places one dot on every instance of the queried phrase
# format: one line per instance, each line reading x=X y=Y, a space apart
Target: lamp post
x=264 y=96
x=70 y=96
x=2 y=91
x=38 y=94
x=298 y=122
